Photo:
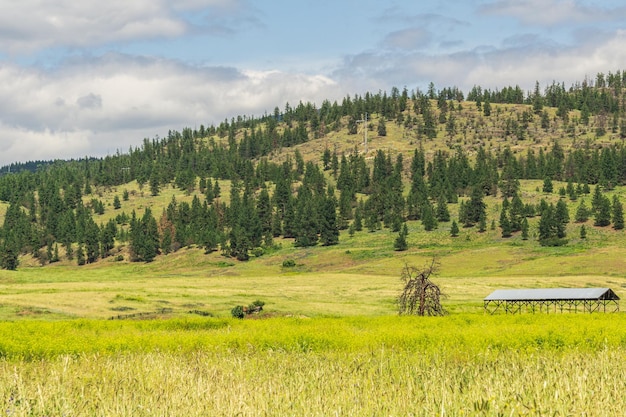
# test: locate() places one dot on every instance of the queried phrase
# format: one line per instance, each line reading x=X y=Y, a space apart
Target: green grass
x=465 y=364
x=464 y=332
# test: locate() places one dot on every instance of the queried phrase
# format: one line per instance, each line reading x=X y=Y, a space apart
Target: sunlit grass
x=466 y=364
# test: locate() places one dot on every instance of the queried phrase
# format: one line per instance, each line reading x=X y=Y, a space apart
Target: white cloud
x=27 y=26
x=33 y=145
x=553 y=12
x=408 y=39
x=97 y=106
x=30 y=25
x=520 y=63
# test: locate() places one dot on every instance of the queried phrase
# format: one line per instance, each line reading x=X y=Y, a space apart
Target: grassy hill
x=359 y=276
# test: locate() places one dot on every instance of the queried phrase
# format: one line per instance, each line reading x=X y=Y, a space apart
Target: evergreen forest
x=303 y=174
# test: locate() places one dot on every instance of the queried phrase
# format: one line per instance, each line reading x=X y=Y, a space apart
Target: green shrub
x=289 y=263
x=237 y=312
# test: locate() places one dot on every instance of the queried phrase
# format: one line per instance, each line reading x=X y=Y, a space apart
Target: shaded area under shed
x=557 y=300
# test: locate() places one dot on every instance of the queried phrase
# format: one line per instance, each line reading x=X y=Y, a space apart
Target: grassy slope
x=357 y=277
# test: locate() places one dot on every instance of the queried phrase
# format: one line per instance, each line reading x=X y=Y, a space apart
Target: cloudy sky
x=93 y=77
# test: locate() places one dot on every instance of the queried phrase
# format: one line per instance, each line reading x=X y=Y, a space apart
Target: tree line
x=307 y=201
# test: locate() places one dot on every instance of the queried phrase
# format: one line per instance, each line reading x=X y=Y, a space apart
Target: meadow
x=329 y=341
x=464 y=364
x=122 y=338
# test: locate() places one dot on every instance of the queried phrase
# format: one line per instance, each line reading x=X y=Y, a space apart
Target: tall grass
x=469 y=333
x=457 y=365
x=279 y=383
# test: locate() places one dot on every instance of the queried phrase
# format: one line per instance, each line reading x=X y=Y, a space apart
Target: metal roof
x=553 y=294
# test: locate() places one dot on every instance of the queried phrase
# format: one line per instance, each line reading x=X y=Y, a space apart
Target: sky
x=91 y=78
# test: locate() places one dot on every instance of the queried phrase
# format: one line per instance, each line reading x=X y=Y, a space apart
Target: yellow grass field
x=463 y=364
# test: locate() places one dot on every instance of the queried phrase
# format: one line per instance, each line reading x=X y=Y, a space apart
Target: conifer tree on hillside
x=617 y=214
x=582 y=212
x=329 y=231
x=400 y=243
x=429 y=220
x=505 y=223
x=474 y=208
x=524 y=228
x=382 y=127
x=602 y=214
x=454 y=229
x=443 y=214
x=9 y=251
x=144 y=237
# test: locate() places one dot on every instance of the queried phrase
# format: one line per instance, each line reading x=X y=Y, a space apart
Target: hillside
x=291 y=207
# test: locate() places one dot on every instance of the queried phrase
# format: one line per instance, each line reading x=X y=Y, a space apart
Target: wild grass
x=465 y=364
x=275 y=383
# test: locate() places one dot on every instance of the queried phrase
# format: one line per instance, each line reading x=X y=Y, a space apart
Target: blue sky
x=91 y=77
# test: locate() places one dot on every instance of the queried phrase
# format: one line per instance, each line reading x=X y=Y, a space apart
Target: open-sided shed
x=553 y=299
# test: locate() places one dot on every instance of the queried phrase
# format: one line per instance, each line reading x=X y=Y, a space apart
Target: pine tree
x=482 y=223
x=603 y=212
x=451 y=125
x=351 y=230
x=454 y=229
x=505 y=224
x=264 y=213
x=358 y=217
x=329 y=232
x=561 y=217
x=547 y=185
x=306 y=231
x=475 y=207
x=582 y=212
x=116 y=203
x=382 y=128
x=289 y=219
x=571 y=191
x=443 y=215
x=524 y=228
x=597 y=199
x=583 y=232
x=537 y=99
x=55 y=254
x=546 y=224
x=429 y=221
x=92 y=241
x=144 y=237
x=107 y=237
x=618 y=214
x=516 y=213
x=9 y=251
x=154 y=184
x=326 y=159
x=80 y=255
x=487 y=108
x=400 y=243
x=152 y=239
